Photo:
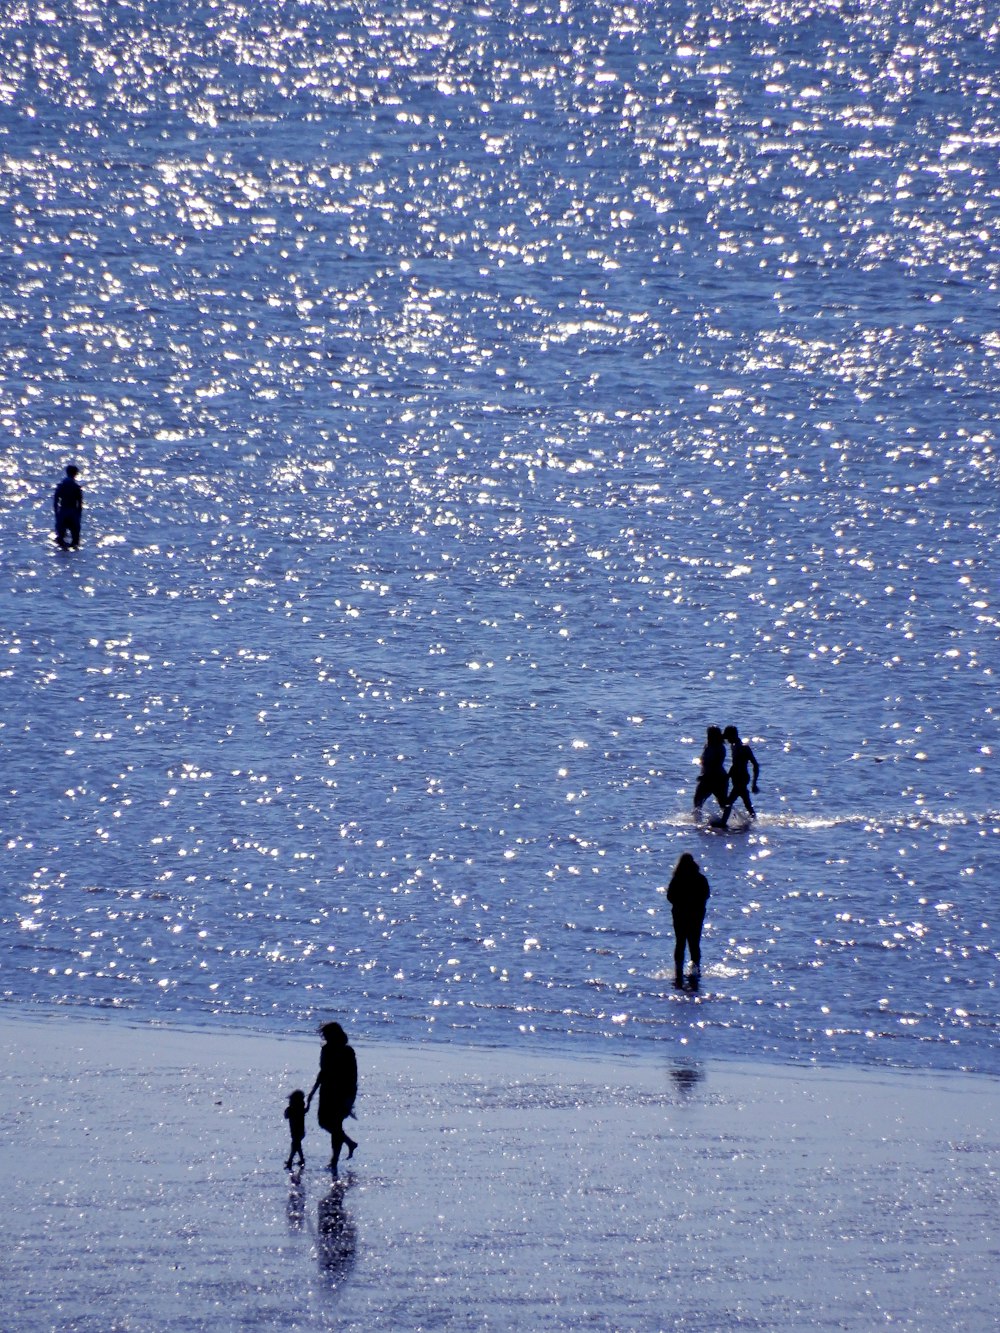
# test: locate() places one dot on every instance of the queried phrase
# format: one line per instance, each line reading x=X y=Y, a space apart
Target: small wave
x=900 y=819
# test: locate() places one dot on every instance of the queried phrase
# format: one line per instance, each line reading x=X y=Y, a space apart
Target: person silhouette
x=337 y=1082
x=743 y=760
x=67 y=504
x=687 y=894
x=295 y=1114
x=714 y=780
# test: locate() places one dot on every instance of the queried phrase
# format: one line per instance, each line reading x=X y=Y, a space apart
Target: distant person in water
x=295 y=1114
x=714 y=780
x=687 y=894
x=337 y=1082
x=67 y=503
x=743 y=761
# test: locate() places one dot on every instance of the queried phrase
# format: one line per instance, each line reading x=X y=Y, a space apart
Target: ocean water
x=473 y=403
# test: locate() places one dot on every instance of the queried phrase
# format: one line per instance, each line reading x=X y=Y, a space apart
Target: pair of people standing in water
x=726 y=787
x=337 y=1084
x=688 y=891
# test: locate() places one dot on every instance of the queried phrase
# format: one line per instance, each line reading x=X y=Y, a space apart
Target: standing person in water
x=714 y=780
x=687 y=894
x=67 y=503
x=337 y=1082
x=743 y=761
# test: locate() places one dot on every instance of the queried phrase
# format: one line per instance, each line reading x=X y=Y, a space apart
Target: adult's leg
x=337 y=1139
x=738 y=794
x=694 y=940
x=679 y=942
x=336 y=1143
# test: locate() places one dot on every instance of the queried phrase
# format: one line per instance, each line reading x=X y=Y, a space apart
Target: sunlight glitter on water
x=472 y=406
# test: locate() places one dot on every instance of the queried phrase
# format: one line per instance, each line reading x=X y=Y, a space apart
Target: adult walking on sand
x=687 y=894
x=337 y=1082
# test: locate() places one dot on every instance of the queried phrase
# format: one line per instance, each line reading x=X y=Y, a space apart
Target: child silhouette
x=295 y=1114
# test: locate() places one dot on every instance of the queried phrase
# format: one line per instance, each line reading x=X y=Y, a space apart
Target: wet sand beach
x=143 y=1175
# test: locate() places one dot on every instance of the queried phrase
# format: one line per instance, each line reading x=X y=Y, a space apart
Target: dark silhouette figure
x=743 y=761
x=295 y=1114
x=337 y=1082
x=687 y=894
x=714 y=781
x=67 y=503
x=337 y=1241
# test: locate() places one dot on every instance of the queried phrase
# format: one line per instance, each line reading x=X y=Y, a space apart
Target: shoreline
x=491 y=1189
x=573 y=1046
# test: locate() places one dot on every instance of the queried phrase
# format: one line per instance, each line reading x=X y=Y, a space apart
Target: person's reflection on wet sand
x=337 y=1237
x=686 y=1080
x=295 y=1208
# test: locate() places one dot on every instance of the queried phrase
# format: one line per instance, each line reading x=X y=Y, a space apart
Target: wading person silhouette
x=337 y=1082
x=67 y=504
x=687 y=894
x=714 y=781
x=743 y=761
x=295 y=1114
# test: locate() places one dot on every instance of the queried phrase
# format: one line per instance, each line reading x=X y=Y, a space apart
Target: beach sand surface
x=142 y=1172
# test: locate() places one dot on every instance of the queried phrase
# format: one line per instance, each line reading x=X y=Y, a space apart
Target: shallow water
x=471 y=407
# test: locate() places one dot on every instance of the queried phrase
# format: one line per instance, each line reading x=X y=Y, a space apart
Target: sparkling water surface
x=473 y=403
